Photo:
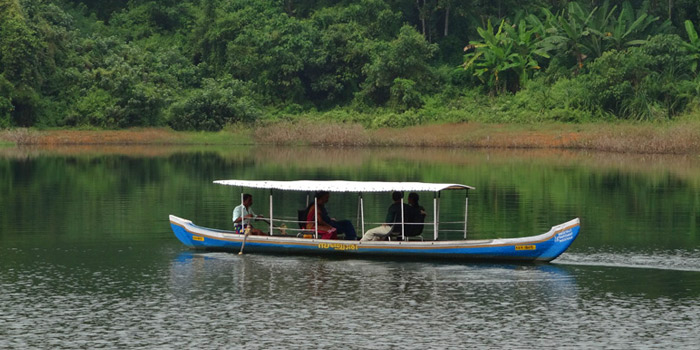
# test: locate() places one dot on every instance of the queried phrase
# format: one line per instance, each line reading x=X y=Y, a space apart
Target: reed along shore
x=642 y=138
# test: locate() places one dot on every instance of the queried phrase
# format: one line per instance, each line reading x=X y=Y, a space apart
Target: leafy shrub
x=93 y=108
x=396 y=120
x=537 y=102
x=405 y=94
x=27 y=106
x=213 y=106
x=646 y=82
x=449 y=77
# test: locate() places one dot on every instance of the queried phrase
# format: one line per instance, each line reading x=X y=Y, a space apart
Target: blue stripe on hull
x=540 y=251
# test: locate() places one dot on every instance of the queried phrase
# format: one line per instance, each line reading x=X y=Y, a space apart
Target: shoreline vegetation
x=681 y=137
x=372 y=72
x=618 y=76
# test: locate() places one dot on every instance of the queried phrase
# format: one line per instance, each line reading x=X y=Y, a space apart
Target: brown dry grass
x=672 y=138
x=108 y=137
x=307 y=133
x=143 y=136
x=20 y=136
x=675 y=139
x=680 y=138
x=476 y=135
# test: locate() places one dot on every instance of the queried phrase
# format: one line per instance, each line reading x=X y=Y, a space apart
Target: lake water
x=87 y=258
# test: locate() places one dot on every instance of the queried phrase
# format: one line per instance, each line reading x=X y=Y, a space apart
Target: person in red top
x=325 y=230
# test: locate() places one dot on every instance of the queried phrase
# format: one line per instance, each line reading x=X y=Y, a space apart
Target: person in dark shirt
x=392 y=222
x=415 y=216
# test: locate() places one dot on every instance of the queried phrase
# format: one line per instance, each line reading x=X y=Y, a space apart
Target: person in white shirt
x=243 y=214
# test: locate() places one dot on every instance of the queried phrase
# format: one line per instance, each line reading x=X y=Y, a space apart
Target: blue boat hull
x=544 y=247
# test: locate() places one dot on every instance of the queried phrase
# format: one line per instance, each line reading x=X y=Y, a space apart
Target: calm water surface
x=87 y=259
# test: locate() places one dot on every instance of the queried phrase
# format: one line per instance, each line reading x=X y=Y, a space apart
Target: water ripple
x=267 y=302
x=678 y=260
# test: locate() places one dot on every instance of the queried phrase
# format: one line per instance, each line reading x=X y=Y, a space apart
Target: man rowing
x=242 y=215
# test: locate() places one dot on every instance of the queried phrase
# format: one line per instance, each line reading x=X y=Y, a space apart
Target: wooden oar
x=245 y=236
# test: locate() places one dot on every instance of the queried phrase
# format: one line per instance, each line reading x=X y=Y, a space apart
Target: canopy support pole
x=315 y=217
x=466 y=212
x=439 y=209
x=357 y=221
x=245 y=232
x=362 y=214
x=403 y=219
x=242 y=216
x=435 y=215
x=271 y=225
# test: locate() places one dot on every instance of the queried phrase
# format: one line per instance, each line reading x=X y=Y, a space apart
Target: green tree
x=334 y=73
x=127 y=86
x=405 y=57
x=274 y=56
x=19 y=45
x=405 y=94
x=346 y=37
x=6 y=107
x=144 y=19
x=20 y=50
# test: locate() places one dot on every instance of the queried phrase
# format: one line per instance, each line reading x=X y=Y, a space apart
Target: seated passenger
x=392 y=223
x=342 y=226
x=325 y=230
x=415 y=216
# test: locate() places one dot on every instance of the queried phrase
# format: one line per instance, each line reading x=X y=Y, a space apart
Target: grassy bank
x=679 y=137
x=646 y=138
x=139 y=136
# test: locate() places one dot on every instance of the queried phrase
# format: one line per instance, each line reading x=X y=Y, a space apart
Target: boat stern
x=178 y=224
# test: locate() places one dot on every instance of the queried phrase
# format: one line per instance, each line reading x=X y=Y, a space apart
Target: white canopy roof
x=344 y=186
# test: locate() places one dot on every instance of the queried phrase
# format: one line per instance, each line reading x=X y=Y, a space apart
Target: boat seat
x=407 y=238
x=412 y=232
x=321 y=234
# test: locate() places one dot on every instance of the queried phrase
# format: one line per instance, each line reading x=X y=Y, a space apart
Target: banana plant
x=571 y=32
x=504 y=59
x=628 y=29
x=595 y=24
x=693 y=45
x=586 y=34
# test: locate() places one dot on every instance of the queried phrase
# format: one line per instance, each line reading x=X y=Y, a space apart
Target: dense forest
x=206 y=64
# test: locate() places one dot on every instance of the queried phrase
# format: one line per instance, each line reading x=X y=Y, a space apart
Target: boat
x=544 y=247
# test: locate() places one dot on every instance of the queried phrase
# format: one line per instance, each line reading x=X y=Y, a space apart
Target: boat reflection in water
x=338 y=282
x=317 y=302
x=314 y=302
